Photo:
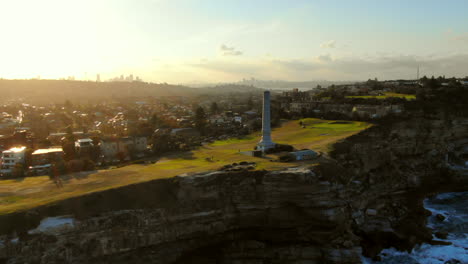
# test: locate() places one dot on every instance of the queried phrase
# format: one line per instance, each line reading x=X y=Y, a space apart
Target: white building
x=305 y=154
x=83 y=143
x=141 y=143
x=10 y=158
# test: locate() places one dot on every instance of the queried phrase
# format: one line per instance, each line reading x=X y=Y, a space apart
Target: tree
x=200 y=120
x=162 y=142
x=96 y=149
x=214 y=108
x=18 y=170
x=68 y=145
x=433 y=83
x=156 y=121
x=250 y=103
x=68 y=105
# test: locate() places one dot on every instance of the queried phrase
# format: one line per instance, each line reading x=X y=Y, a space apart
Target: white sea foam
x=453 y=207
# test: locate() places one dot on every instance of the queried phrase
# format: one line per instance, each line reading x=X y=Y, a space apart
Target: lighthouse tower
x=266 y=142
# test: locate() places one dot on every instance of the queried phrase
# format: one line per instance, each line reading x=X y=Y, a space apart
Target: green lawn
x=387 y=95
x=26 y=193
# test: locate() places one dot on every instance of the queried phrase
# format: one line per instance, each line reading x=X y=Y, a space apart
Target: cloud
x=456 y=36
x=324 y=58
x=229 y=51
x=384 y=67
x=461 y=37
x=331 y=44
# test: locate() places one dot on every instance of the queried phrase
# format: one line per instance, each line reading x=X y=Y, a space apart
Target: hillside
x=26 y=193
x=57 y=91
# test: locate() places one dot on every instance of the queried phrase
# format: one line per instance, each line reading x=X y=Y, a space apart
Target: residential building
x=84 y=147
x=10 y=158
x=109 y=149
x=42 y=160
x=115 y=149
x=56 y=138
x=140 y=144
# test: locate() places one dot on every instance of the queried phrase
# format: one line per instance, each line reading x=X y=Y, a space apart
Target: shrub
x=88 y=165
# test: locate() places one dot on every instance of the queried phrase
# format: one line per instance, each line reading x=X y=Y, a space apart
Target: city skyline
x=191 y=41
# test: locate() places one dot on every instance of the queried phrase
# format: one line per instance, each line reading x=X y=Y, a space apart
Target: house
x=185 y=132
x=305 y=154
x=109 y=148
x=10 y=158
x=84 y=147
x=298 y=107
x=42 y=160
x=117 y=149
x=126 y=148
x=84 y=143
x=217 y=120
x=56 y=138
x=365 y=111
x=250 y=113
x=140 y=144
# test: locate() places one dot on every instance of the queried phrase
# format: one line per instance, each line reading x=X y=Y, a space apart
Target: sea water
x=454 y=207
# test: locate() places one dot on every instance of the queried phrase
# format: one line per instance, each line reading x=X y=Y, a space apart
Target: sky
x=199 y=41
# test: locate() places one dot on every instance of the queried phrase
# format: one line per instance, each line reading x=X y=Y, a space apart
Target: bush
x=60 y=167
x=286 y=158
x=88 y=165
x=18 y=170
x=75 y=165
x=280 y=148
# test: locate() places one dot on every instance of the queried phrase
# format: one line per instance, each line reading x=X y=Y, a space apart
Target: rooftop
x=44 y=151
x=15 y=150
x=84 y=140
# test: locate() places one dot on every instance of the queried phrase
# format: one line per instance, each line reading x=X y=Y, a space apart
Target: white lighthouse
x=266 y=142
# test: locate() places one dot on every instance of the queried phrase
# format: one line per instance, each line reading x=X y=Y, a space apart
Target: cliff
x=247 y=216
x=397 y=165
x=367 y=196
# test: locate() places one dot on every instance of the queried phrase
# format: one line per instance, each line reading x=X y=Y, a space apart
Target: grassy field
x=387 y=95
x=26 y=193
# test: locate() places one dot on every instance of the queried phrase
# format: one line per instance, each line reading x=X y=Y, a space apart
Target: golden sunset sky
x=185 y=41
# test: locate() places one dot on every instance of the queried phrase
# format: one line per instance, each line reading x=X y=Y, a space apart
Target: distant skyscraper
x=98 y=77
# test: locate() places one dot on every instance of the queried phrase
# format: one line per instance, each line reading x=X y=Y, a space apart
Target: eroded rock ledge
x=246 y=216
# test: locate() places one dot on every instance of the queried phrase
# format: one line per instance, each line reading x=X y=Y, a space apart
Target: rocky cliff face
x=245 y=217
x=364 y=199
x=397 y=165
